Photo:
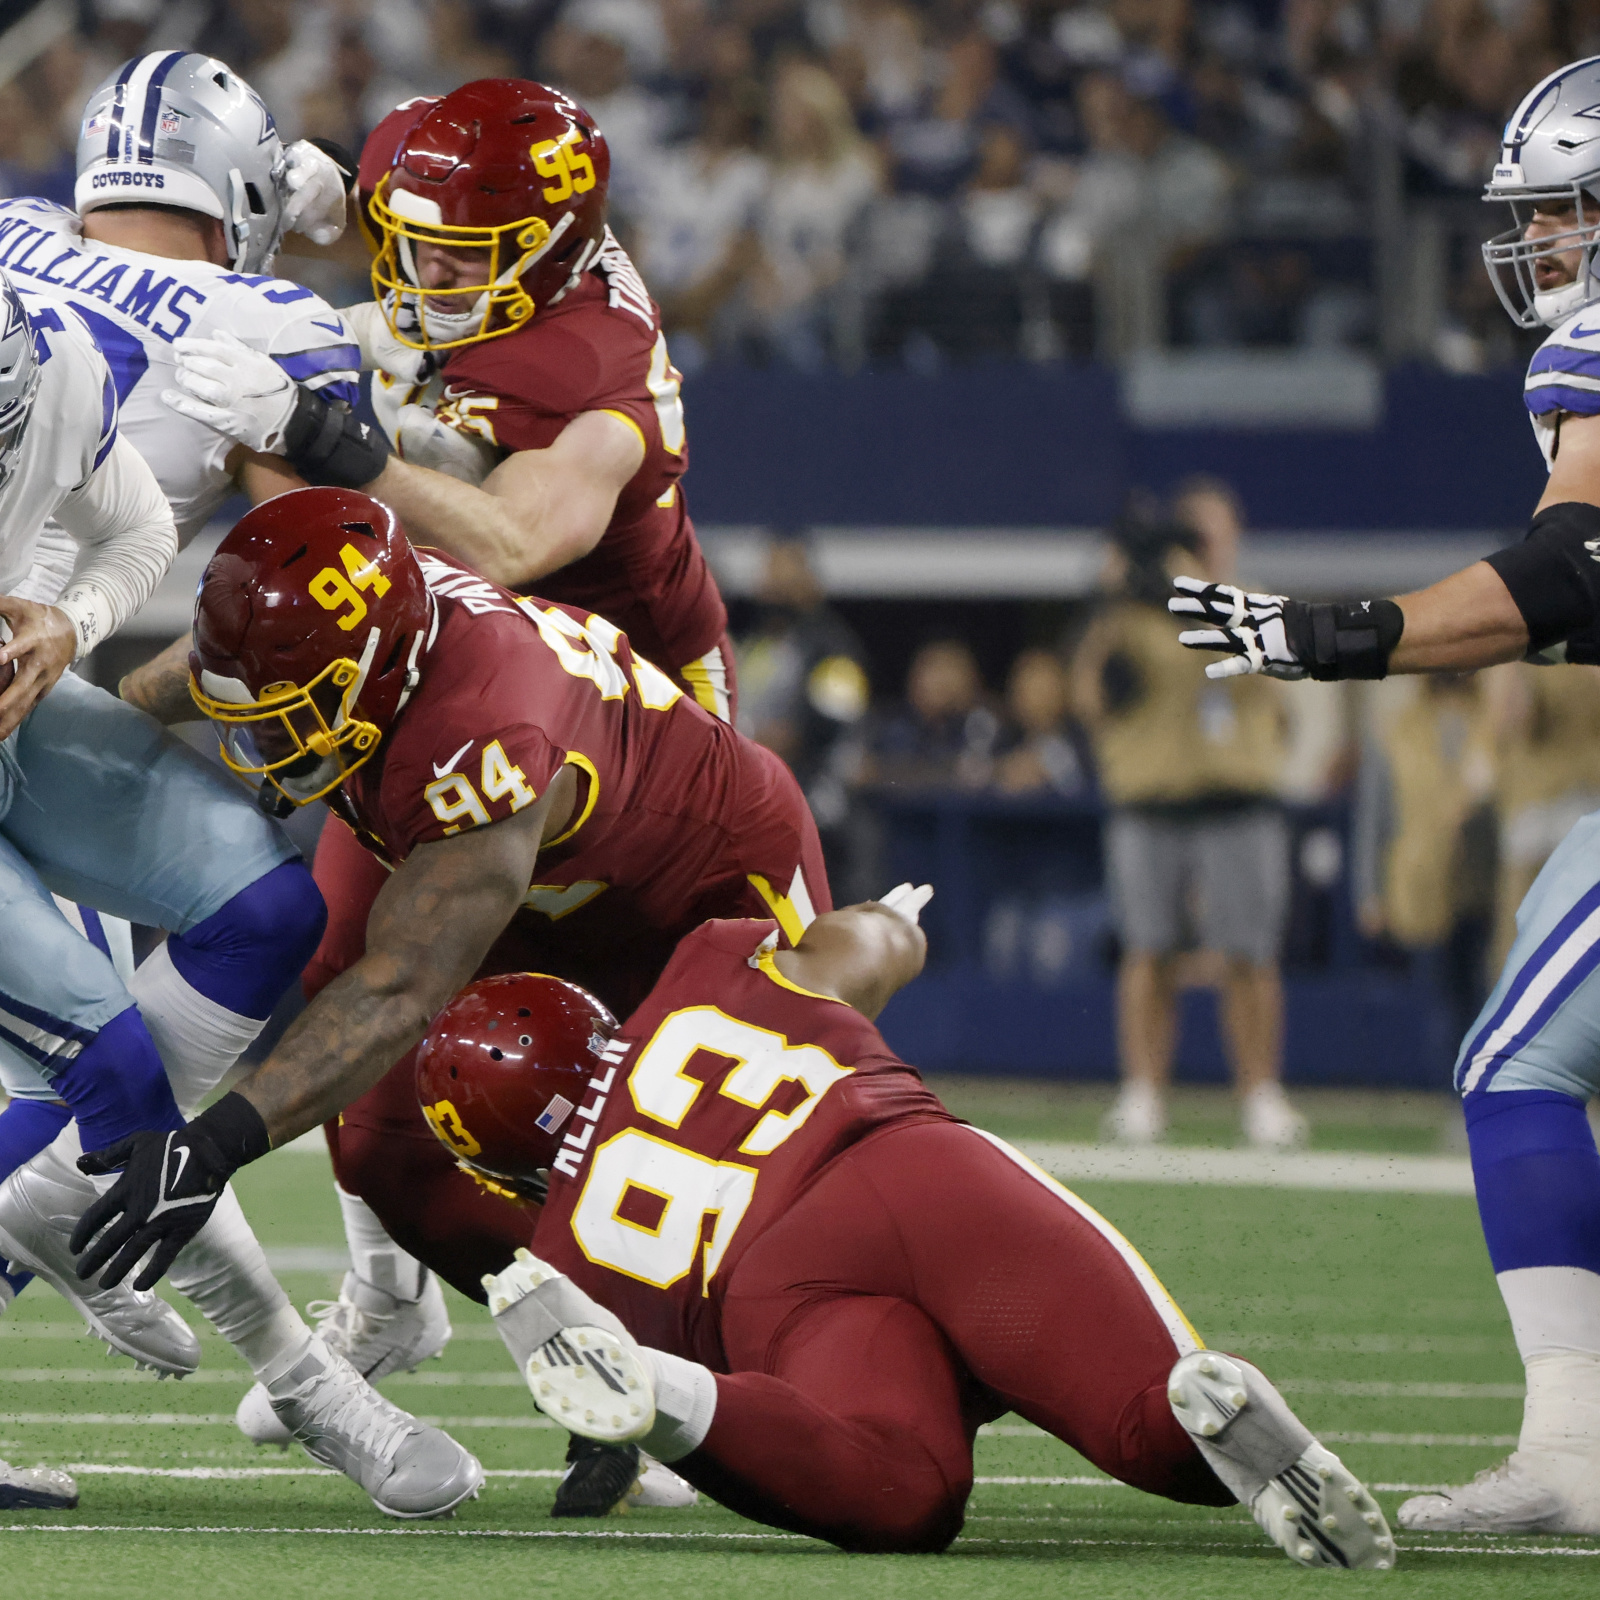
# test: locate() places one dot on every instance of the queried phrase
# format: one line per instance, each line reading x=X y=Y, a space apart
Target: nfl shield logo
x=169 y=120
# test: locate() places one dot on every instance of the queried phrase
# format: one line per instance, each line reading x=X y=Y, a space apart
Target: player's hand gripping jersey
x=136 y=305
x=710 y=1123
x=677 y=815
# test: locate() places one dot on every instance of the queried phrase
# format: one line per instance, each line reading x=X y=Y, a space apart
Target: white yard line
x=1178 y=1547
x=1304 y=1169
x=216 y=1419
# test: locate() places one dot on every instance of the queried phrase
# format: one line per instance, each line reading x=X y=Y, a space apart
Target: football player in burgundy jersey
x=768 y=1253
x=535 y=793
x=534 y=367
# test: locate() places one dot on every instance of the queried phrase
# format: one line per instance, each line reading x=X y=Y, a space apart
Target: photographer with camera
x=1196 y=846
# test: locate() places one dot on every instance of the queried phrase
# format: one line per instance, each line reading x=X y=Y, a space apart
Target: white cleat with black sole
x=40 y=1204
x=582 y=1367
x=377 y=1333
x=411 y=1471
x=36 y=1489
x=1301 y=1494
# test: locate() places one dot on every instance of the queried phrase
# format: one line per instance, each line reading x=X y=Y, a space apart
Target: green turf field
x=1375 y=1312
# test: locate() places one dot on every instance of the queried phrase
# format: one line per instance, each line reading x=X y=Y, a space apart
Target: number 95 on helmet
x=503 y=1072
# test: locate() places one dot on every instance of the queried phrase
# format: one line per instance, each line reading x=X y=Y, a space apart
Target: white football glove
x=906 y=901
x=1250 y=627
x=380 y=350
x=316 y=203
x=240 y=392
x=421 y=438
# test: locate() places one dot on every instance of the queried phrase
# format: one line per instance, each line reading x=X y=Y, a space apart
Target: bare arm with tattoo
x=430 y=927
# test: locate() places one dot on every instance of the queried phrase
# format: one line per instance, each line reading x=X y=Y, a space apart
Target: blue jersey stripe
x=42 y=1019
x=1562 y=397
x=1583 y=359
x=303 y=364
x=95 y=929
x=152 y=105
x=108 y=420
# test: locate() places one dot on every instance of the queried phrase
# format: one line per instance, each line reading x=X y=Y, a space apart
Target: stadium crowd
x=817 y=181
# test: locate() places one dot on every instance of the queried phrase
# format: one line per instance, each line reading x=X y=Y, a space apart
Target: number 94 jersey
x=724 y=1096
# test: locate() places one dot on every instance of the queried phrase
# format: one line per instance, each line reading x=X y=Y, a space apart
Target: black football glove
x=169 y=1187
x=1284 y=638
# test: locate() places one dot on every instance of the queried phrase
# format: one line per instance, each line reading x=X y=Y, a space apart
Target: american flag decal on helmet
x=554 y=1115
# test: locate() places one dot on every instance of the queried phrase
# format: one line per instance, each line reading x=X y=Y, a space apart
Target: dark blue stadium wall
x=1018 y=445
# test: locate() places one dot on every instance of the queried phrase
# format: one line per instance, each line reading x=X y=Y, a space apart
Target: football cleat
x=598 y=1480
x=1508 y=1498
x=1302 y=1496
x=374 y=1331
x=660 y=1488
x=40 y=1204
x=36 y=1489
x=379 y=1334
x=410 y=1470
x=583 y=1369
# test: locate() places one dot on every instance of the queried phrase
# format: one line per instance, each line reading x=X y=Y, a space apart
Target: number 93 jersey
x=1564 y=376
x=723 y=1098
x=136 y=305
x=70 y=431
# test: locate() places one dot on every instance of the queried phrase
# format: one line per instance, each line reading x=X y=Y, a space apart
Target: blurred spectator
x=1424 y=831
x=803 y=693
x=695 y=235
x=1039 y=753
x=824 y=176
x=33 y=158
x=587 y=55
x=1545 y=728
x=1196 y=847
x=946 y=733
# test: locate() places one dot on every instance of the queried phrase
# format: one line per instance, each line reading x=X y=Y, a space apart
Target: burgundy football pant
x=931 y=1280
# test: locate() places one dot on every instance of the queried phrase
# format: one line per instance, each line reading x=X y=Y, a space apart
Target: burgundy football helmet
x=308 y=628
x=377 y=156
x=503 y=1070
x=501 y=165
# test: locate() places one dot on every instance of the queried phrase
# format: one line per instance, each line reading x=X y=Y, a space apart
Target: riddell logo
x=128 y=180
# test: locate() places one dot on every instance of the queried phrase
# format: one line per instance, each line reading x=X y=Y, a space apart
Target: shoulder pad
x=1564 y=374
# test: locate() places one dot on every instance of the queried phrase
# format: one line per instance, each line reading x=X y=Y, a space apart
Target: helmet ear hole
x=253 y=195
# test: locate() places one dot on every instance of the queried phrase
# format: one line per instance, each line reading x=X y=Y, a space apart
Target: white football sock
x=686 y=1401
x=223 y=1272
x=199 y=1040
x=1553 y=1309
x=377 y=1259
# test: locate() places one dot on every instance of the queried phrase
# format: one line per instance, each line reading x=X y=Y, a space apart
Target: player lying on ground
x=545 y=797
x=538 y=435
x=1529 y=1065
x=117 y=805
x=832 y=1283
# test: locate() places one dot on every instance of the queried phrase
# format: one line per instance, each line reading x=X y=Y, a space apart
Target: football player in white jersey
x=178 y=219
x=114 y=804
x=1531 y=1062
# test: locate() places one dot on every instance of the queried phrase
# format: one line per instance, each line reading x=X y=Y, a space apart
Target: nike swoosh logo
x=182 y=1153
x=450 y=765
x=330 y=327
x=1582 y=333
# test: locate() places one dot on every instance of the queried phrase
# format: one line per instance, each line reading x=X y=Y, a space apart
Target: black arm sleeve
x=328 y=444
x=1554 y=574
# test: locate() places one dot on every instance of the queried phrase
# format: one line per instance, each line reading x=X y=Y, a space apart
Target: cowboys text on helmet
x=175 y=128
